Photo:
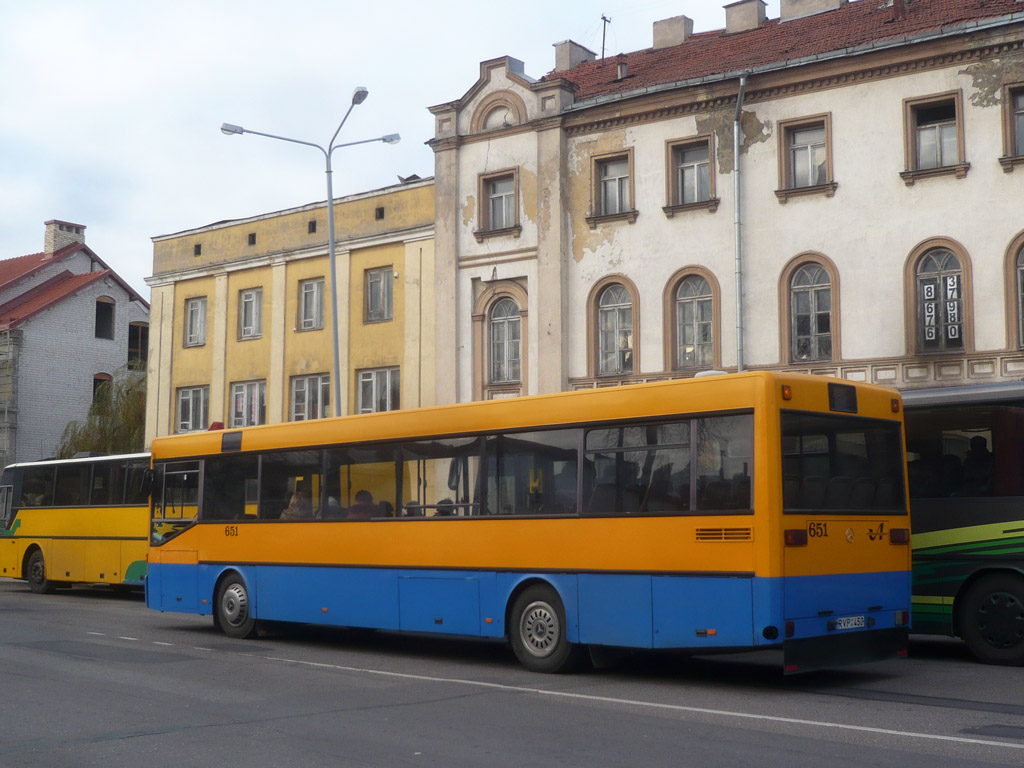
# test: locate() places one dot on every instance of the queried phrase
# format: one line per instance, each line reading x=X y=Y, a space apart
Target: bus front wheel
x=538 y=634
x=233 y=609
x=35 y=574
x=992 y=619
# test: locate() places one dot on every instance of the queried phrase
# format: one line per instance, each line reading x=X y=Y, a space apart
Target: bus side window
x=532 y=473
x=37 y=487
x=724 y=462
x=224 y=486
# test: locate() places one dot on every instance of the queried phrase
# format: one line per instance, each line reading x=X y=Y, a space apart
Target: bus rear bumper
x=807 y=654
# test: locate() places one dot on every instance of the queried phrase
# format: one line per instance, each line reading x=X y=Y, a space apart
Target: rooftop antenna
x=604 y=30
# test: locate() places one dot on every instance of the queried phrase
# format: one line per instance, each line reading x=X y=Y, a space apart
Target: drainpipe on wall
x=736 y=221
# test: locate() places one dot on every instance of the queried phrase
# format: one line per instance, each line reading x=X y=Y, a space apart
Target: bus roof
x=975 y=393
x=562 y=409
x=81 y=460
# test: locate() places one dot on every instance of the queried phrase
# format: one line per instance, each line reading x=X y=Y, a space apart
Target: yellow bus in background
x=731 y=512
x=83 y=520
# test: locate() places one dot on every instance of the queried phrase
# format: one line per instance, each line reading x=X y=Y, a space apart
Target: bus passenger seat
x=863 y=493
x=812 y=492
x=837 y=493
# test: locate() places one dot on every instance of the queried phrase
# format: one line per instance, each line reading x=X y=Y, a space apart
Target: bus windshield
x=841 y=464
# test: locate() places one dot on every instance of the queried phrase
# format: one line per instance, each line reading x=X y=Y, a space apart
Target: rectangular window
x=934 y=136
x=691 y=171
x=501 y=202
x=72 y=487
x=1017 y=120
x=841 y=464
x=805 y=157
x=250 y=310
x=138 y=346
x=195 y=321
x=379 y=390
x=104 y=319
x=248 y=403
x=311 y=304
x=311 y=397
x=613 y=186
x=193 y=409
x=378 y=306
x=532 y=473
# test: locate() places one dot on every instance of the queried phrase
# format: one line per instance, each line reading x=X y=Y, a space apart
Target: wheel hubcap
x=235 y=605
x=36 y=572
x=539 y=629
x=1001 y=620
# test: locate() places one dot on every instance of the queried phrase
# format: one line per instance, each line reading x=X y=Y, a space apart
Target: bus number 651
x=230 y=530
x=817 y=530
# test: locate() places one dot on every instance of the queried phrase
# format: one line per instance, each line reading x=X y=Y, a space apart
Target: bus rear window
x=841 y=464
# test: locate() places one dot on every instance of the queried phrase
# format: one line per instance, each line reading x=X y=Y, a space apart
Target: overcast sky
x=110 y=109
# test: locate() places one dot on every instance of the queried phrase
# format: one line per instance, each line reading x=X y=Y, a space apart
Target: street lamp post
x=358 y=97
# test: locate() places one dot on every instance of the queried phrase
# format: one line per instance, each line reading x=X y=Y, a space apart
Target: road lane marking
x=129 y=638
x=655 y=705
x=98 y=634
x=157 y=642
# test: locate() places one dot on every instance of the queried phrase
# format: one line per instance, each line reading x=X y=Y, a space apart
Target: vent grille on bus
x=725 y=534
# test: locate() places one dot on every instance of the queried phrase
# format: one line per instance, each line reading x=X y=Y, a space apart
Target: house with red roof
x=839 y=190
x=67 y=323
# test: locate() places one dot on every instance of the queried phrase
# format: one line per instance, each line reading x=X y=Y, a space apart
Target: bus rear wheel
x=538 y=634
x=35 y=574
x=233 y=609
x=992 y=619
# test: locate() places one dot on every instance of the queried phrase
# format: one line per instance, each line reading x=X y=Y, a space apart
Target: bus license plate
x=850 y=622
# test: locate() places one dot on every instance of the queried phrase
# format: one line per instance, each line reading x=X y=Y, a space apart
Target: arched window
x=811 y=314
x=1020 y=296
x=615 y=331
x=104 y=317
x=940 y=306
x=505 y=340
x=694 y=323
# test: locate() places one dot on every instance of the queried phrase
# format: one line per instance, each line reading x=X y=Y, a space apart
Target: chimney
x=61 y=233
x=744 y=15
x=899 y=9
x=622 y=70
x=797 y=9
x=568 y=54
x=674 y=31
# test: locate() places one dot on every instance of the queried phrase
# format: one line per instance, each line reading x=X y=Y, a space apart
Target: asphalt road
x=89 y=678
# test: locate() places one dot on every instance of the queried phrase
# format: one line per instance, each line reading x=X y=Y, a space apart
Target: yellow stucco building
x=241 y=324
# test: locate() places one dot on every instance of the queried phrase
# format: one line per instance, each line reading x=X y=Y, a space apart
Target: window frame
x=911 y=108
x=1013 y=121
x=671 y=320
x=593 y=327
x=488 y=298
x=108 y=331
x=195 y=309
x=319 y=285
x=506 y=322
x=786 y=335
x=203 y=391
x=322 y=384
x=385 y=278
x=254 y=329
x=371 y=375
x=598 y=214
x=487 y=225
x=674 y=204
x=1014 y=300
x=248 y=389
x=787 y=182
x=911 y=297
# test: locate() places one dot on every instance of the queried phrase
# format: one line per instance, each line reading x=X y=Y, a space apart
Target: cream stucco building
x=242 y=323
x=874 y=211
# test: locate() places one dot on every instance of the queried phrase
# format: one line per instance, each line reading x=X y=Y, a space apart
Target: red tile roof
x=12 y=270
x=706 y=54
x=45 y=295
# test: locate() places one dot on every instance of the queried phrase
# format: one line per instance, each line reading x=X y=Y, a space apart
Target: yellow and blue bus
x=82 y=520
x=965 y=447
x=731 y=512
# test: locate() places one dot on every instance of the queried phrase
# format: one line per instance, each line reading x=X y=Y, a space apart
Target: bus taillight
x=795 y=537
x=902 y=618
x=899 y=535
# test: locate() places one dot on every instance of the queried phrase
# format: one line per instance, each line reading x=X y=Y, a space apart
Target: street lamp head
x=229 y=130
x=359 y=95
x=391 y=138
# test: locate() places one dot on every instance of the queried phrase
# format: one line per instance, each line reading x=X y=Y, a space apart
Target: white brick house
x=67 y=323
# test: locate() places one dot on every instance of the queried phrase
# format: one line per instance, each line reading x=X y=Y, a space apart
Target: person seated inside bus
x=300 y=507
x=445 y=508
x=387 y=509
x=364 y=508
x=978 y=468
